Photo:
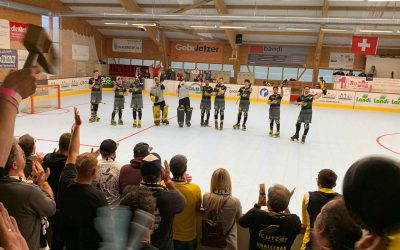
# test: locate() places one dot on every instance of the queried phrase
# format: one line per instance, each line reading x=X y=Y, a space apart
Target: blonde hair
x=221 y=189
x=85 y=163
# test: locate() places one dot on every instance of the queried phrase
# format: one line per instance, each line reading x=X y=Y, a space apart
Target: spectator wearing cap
x=334 y=228
x=169 y=200
x=185 y=223
x=131 y=174
x=108 y=171
x=223 y=206
x=314 y=201
x=274 y=228
x=371 y=189
x=79 y=200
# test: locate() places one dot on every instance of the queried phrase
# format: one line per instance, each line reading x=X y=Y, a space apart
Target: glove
x=153 y=98
x=324 y=91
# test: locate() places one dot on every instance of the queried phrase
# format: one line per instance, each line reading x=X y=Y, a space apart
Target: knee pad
x=222 y=113
x=277 y=122
x=306 y=125
x=246 y=114
x=271 y=120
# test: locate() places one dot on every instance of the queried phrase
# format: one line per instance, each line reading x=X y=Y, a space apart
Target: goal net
x=46 y=98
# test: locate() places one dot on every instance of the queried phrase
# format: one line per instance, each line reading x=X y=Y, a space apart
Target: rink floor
x=336 y=139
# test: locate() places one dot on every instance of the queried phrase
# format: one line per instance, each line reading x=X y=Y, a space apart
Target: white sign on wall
x=80 y=52
x=4 y=34
x=341 y=60
x=127 y=45
x=22 y=56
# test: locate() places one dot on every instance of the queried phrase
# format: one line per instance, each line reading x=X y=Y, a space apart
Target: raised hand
x=78 y=120
x=22 y=81
x=166 y=173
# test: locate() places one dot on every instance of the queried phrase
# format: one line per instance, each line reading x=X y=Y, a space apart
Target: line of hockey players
x=184 y=110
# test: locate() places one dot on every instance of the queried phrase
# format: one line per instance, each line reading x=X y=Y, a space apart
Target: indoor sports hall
x=272 y=92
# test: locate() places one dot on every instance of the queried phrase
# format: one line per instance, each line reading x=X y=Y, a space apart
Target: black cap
x=151 y=165
x=141 y=149
x=108 y=147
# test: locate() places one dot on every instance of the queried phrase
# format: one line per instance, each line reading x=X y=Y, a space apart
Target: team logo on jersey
x=264 y=92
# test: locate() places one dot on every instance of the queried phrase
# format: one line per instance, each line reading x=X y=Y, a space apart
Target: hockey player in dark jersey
x=96 y=87
x=205 y=105
x=305 y=116
x=274 y=102
x=119 y=101
x=137 y=102
x=244 y=104
x=219 y=103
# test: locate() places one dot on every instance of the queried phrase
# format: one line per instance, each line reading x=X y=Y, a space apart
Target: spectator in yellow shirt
x=184 y=227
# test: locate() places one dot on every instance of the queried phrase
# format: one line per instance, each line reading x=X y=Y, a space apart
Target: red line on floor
x=85 y=145
x=378 y=140
x=140 y=131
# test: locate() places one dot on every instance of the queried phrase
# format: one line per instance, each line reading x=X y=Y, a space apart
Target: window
x=229 y=67
x=176 y=65
x=307 y=76
x=56 y=29
x=260 y=72
x=326 y=74
x=46 y=23
x=110 y=60
x=125 y=61
x=189 y=65
x=148 y=62
x=245 y=68
x=217 y=67
x=290 y=73
x=202 y=66
x=138 y=62
x=275 y=73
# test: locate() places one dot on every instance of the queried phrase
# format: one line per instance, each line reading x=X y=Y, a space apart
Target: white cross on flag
x=364 y=45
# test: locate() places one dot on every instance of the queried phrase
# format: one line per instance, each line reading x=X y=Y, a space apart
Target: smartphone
x=263 y=193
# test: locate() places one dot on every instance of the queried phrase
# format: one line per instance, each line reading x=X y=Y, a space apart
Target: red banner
x=17 y=31
x=364 y=45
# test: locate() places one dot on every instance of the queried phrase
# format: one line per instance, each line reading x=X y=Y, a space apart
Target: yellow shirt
x=394 y=242
x=306 y=217
x=185 y=223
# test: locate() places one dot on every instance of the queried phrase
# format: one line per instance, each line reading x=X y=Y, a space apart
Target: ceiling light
x=144 y=24
x=298 y=29
x=232 y=27
x=116 y=23
x=204 y=26
x=333 y=30
x=376 y=31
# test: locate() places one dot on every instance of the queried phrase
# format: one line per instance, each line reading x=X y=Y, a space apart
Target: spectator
x=196 y=72
x=372 y=72
x=28 y=145
x=106 y=179
x=350 y=73
x=362 y=74
x=131 y=173
x=226 y=207
x=168 y=73
x=187 y=75
x=56 y=161
x=208 y=76
x=155 y=69
x=339 y=73
x=169 y=201
x=26 y=202
x=185 y=223
x=371 y=190
x=272 y=229
x=334 y=228
x=179 y=76
x=146 y=74
x=314 y=201
x=322 y=83
x=17 y=85
x=141 y=198
x=79 y=200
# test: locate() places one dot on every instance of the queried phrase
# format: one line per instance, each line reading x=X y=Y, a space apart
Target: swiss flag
x=364 y=45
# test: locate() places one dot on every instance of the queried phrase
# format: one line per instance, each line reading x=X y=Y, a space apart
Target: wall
x=21 y=17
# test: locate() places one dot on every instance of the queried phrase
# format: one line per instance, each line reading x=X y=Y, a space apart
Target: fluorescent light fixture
x=298 y=29
x=116 y=23
x=334 y=30
x=204 y=26
x=376 y=31
x=232 y=27
x=144 y=24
